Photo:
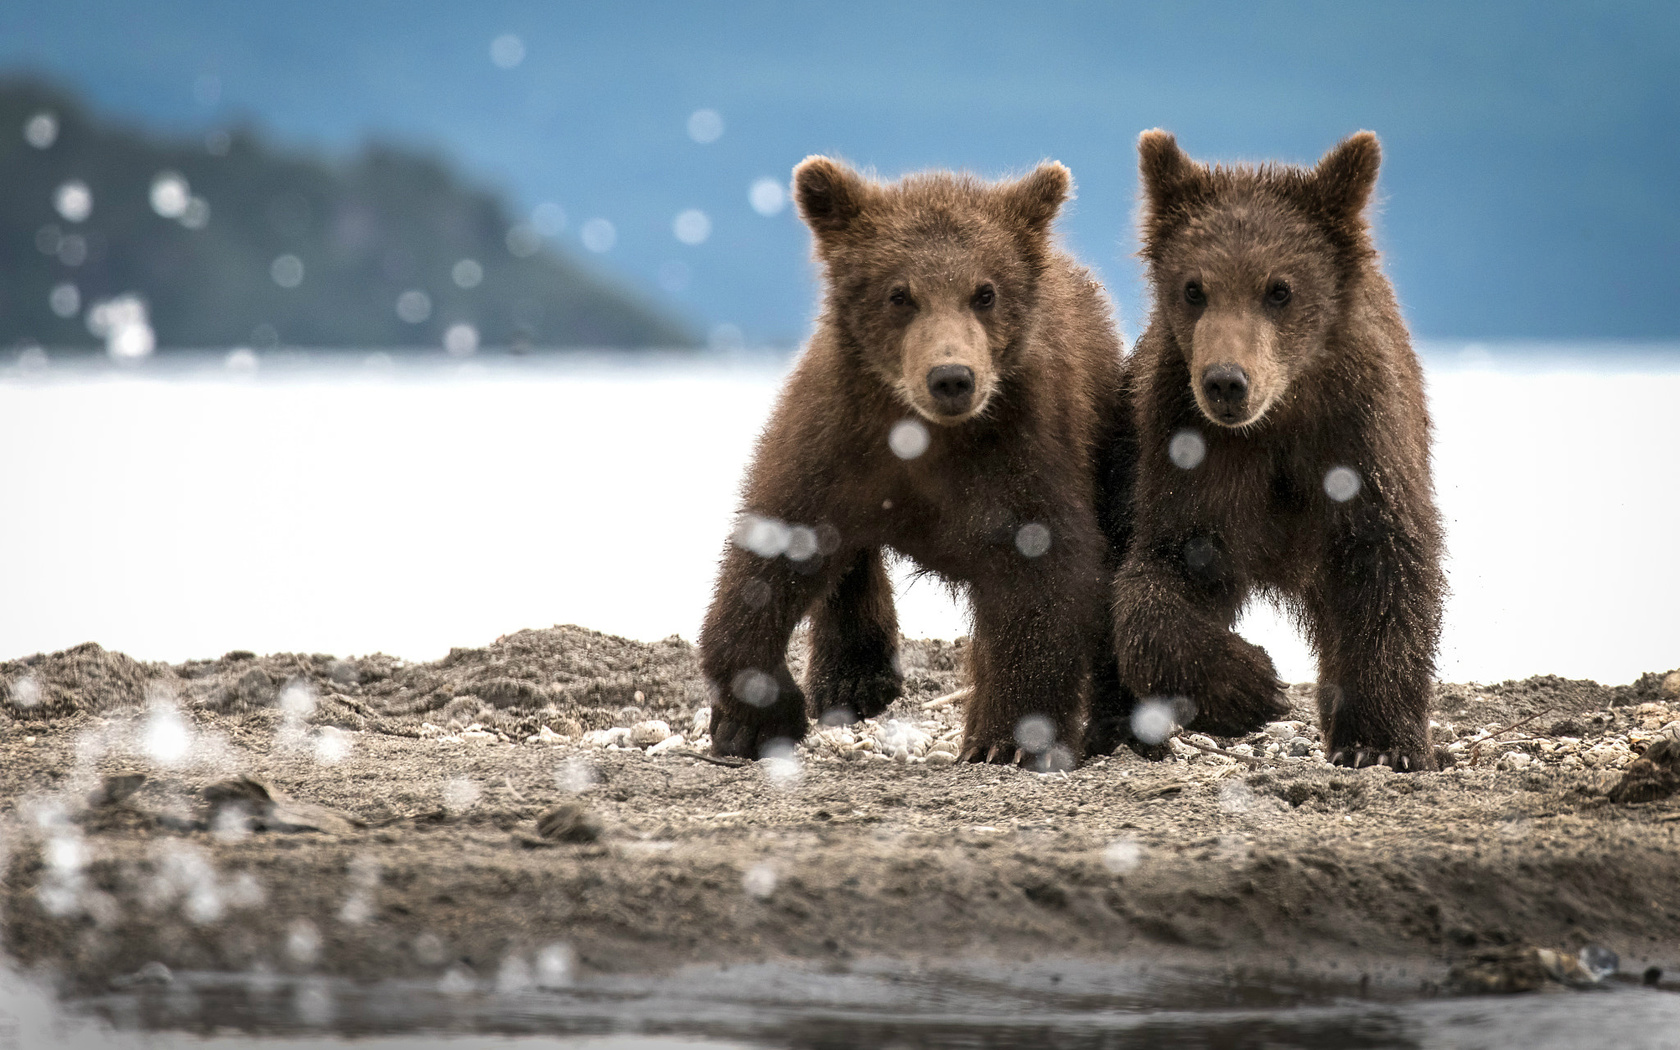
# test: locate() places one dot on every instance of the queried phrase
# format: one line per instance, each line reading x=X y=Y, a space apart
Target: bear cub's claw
x=1052 y=761
x=840 y=701
x=1401 y=760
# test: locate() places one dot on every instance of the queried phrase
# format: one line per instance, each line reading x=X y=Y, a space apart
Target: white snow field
x=176 y=511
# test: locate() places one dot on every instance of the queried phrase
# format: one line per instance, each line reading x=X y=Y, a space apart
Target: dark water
x=1063 y=1007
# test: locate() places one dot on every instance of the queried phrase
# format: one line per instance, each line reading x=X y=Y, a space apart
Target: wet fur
x=1032 y=452
x=1343 y=388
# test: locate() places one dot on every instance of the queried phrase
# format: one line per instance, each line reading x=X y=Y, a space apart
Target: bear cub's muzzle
x=1226 y=389
x=952 y=388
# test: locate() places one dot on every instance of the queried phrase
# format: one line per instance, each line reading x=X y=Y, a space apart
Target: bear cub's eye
x=1193 y=294
x=984 y=297
x=899 y=297
x=1279 y=293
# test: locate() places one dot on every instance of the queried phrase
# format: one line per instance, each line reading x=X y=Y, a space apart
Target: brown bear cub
x=1283 y=450
x=957 y=403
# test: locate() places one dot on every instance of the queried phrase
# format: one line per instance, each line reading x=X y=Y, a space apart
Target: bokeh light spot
x=705 y=126
x=461 y=340
x=73 y=201
x=65 y=299
x=196 y=215
x=1187 y=449
x=767 y=197
x=1154 y=720
x=548 y=218
x=41 y=130
x=599 y=235
x=1035 y=733
x=287 y=271
x=909 y=438
x=1032 y=539
x=1123 y=855
x=760 y=880
x=754 y=687
x=523 y=240
x=170 y=194
x=692 y=226
x=1342 y=483
x=507 y=51
x=467 y=273
x=414 y=306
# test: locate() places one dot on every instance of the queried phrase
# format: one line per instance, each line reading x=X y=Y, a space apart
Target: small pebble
x=618 y=736
x=643 y=734
x=670 y=743
x=477 y=734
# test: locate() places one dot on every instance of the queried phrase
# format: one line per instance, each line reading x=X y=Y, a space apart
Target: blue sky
x=1531 y=185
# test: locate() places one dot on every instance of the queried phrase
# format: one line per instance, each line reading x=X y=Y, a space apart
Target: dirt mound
x=83 y=679
x=569 y=678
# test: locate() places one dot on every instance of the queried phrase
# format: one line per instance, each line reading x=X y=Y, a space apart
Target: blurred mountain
x=232 y=242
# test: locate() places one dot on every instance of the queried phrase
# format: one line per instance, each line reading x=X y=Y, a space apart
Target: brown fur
x=1333 y=382
x=905 y=267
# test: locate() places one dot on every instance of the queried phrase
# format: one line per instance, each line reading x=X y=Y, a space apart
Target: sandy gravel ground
x=525 y=813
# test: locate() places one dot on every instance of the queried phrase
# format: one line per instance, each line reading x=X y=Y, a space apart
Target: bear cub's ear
x=830 y=195
x=1036 y=198
x=1165 y=169
x=1345 y=177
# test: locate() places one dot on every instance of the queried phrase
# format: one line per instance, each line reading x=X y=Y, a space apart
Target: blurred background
x=397 y=326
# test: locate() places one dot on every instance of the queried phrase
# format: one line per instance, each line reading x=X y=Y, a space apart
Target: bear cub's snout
x=952 y=388
x=1226 y=387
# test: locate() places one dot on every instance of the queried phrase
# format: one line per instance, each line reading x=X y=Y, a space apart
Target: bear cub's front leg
x=853 y=672
x=743 y=655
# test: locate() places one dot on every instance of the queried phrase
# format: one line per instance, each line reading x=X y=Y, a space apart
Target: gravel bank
x=541 y=808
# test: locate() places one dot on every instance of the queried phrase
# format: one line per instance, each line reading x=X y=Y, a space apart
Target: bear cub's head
x=1251 y=266
x=932 y=279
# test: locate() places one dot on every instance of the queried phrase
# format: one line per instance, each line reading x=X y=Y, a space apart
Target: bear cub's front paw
x=842 y=699
x=745 y=732
x=1243 y=693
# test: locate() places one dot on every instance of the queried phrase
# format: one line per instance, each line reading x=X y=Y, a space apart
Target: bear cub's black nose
x=952 y=387
x=1226 y=387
